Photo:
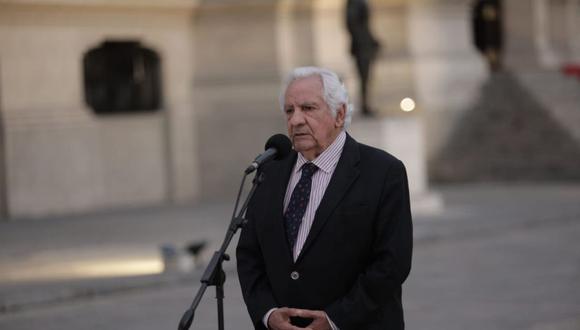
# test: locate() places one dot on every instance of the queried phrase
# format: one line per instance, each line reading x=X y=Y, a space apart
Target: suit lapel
x=276 y=179
x=344 y=175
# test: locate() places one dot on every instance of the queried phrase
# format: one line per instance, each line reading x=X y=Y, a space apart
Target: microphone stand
x=214 y=274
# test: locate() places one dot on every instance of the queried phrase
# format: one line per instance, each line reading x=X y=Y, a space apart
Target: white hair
x=333 y=90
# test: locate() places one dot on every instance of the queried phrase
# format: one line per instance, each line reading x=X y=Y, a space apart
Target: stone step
x=509 y=135
x=558 y=94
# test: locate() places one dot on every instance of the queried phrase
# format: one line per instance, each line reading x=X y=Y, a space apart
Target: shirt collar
x=328 y=159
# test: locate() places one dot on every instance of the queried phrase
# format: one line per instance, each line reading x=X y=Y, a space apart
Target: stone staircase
x=523 y=127
x=558 y=94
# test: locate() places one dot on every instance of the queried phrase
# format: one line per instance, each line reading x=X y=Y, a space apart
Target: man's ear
x=340 y=116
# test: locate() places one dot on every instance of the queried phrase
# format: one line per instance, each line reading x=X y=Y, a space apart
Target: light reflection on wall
x=98 y=268
x=114 y=268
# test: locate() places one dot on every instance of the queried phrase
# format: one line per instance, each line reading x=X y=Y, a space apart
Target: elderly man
x=329 y=237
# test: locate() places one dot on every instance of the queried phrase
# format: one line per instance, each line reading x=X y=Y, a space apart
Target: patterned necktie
x=298 y=202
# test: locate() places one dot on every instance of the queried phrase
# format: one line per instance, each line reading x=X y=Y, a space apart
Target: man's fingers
x=286 y=312
x=295 y=311
x=281 y=321
x=308 y=313
x=293 y=327
x=288 y=326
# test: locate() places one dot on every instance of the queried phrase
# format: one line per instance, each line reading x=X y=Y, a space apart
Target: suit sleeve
x=390 y=260
x=256 y=288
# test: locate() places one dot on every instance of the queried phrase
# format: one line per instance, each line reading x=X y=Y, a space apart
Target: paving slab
x=496 y=257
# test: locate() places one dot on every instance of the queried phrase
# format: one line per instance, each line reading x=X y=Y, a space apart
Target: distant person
x=329 y=236
x=363 y=47
x=487 y=31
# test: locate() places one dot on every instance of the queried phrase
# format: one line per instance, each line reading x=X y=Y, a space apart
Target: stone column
x=520 y=50
x=572 y=28
x=237 y=75
x=295 y=34
x=444 y=62
x=547 y=56
x=3 y=197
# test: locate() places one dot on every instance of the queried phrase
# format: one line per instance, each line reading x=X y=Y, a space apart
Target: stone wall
x=59 y=156
x=235 y=90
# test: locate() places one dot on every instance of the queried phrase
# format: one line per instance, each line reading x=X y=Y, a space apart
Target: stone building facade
x=221 y=62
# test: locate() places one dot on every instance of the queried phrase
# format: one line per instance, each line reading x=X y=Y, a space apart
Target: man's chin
x=302 y=146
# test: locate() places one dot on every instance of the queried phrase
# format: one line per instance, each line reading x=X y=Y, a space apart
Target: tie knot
x=308 y=170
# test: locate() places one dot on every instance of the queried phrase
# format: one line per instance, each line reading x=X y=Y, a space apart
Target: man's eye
x=288 y=110
x=308 y=107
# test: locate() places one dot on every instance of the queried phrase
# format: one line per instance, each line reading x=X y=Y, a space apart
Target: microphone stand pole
x=214 y=274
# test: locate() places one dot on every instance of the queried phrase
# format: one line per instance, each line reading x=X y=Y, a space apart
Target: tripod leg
x=220 y=308
x=219 y=292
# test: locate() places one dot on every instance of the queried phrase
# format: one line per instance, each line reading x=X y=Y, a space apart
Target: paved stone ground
x=497 y=257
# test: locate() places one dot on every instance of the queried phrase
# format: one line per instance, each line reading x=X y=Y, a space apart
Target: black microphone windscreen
x=281 y=143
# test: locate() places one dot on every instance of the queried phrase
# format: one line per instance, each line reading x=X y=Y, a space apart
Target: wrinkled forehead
x=306 y=88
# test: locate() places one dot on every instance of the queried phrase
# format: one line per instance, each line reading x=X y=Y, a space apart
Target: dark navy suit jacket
x=356 y=256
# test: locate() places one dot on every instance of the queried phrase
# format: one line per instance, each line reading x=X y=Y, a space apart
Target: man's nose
x=297 y=117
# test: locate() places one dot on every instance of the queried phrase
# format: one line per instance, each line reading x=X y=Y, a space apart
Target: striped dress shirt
x=326 y=163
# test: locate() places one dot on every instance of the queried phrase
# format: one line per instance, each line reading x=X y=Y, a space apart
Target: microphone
x=278 y=146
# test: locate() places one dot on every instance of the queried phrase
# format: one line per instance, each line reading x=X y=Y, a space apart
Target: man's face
x=311 y=125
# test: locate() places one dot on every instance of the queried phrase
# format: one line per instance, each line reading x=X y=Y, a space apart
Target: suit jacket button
x=294 y=275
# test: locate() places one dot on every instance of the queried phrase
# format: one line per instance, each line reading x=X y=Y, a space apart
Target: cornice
x=138 y=4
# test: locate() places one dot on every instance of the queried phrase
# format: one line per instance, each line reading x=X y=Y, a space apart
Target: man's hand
x=319 y=319
x=280 y=319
